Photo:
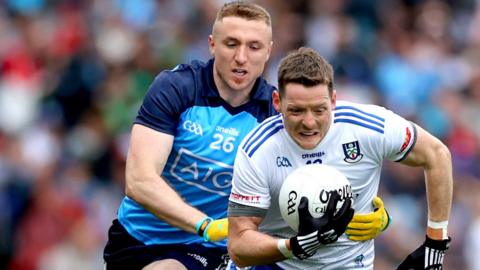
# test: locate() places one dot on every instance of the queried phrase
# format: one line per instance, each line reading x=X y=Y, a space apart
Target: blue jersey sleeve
x=166 y=98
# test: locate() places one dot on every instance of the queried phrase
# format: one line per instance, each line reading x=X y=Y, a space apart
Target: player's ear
x=211 y=45
x=276 y=100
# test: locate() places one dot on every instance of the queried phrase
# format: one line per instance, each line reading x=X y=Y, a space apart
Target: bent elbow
x=129 y=189
x=442 y=152
x=237 y=260
x=439 y=157
x=235 y=256
x=133 y=187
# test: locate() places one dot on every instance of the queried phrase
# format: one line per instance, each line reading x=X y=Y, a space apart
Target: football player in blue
x=182 y=148
x=183 y=144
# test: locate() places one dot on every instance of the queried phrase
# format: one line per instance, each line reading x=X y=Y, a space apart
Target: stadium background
x=73 y=73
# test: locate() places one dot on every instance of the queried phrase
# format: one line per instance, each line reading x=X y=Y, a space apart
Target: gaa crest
x=352 y=152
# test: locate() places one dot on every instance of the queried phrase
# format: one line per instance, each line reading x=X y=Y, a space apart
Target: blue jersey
x=185 y=102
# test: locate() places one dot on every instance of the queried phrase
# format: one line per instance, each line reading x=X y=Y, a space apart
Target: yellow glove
x=212 y=230
x=368 y=226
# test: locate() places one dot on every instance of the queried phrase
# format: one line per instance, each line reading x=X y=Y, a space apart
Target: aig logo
x=283 y=162
x=193 y=127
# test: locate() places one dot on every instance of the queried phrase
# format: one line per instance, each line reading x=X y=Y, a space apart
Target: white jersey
x=360 y=137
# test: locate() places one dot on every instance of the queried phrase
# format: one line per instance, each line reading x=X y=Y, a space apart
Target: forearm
x=254 y=248
x=155 y=195
x=431 y=154
x=247 y=246
x=439 y=186
x=144 y=184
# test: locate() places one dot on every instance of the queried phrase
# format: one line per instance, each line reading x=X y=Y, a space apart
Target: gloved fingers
x=365 y=218
x=220 y=225
x=332 y=204
x=377 y=202
x=216 y=230
x=303 y=208
x=347 y=204
x=361 y=226
x=343 y=220
x=359 y=232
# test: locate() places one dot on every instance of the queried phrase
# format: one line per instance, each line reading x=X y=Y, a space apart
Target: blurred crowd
x=73 y=74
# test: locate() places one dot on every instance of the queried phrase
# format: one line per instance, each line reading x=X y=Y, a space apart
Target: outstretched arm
x=148 y=153
x=434 y=157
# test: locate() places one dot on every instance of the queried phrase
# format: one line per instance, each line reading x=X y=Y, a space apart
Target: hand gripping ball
x=316 y=182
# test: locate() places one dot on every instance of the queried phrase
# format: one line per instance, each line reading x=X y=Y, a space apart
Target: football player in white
x=313 y=127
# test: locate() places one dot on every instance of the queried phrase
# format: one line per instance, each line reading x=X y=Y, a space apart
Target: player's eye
x=320 y=110
x=295 y=111
x=230 y=43
x=255 y=46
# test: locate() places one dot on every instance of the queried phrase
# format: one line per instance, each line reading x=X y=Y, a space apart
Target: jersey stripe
x=355 y=116
x=261 y=133
x=351 y=121
x=250 y=139
x=360 y=111
x=274 y=130
x=366 y=119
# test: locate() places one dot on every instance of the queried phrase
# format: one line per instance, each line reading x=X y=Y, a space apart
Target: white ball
x=316 y=182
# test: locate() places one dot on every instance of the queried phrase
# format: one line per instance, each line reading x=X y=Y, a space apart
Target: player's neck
x=234 y=97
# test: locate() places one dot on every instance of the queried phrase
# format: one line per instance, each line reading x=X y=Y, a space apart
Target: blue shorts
x=125 y=252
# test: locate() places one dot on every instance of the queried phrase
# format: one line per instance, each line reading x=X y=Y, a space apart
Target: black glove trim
x=305 y=246
x=437 y=244
x=429 y=255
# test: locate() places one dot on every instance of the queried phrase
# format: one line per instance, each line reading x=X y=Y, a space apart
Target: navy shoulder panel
x=171 y=93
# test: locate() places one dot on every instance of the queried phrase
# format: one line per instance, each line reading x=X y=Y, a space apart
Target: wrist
x=202 y=225
x=283 y=246
x=437 y=230
x=441 y=245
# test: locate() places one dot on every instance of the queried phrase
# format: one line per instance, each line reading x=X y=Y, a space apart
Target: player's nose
x=309 y=120
x=241 y=55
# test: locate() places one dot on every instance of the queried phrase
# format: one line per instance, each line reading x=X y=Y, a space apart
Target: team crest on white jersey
x=359 y=260
x=352 y=152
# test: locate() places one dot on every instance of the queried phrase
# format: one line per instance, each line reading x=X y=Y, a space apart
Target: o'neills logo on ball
x=344 y=192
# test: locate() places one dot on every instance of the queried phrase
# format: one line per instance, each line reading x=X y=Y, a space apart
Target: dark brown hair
x=304 y=66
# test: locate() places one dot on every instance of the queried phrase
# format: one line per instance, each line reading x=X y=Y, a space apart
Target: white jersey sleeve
x=380 y=132
x=251 y=173
x=400 y=136
x=248 y=187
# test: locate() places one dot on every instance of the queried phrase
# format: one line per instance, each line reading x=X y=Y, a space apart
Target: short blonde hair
x=245 y=10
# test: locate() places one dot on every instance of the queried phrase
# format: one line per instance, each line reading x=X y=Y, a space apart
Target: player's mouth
x=308 y=133
x=307 y=139
x=239 y=72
